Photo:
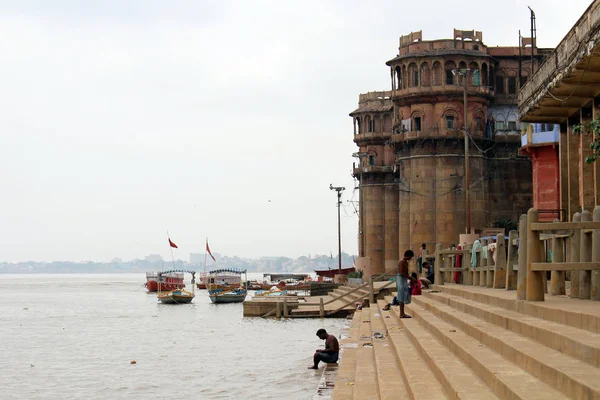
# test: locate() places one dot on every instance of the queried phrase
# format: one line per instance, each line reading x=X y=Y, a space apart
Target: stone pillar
x=522 y=272
x=511 y=274
x=500 y=272
x=535 y=279
x=585 y=255
x=438 y=276
x=467 y=276
x=557 y=280
x=596 y=257
x=574 y=249
x=483 y=264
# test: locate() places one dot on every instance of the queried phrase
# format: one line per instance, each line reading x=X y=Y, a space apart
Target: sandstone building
x=411 y=158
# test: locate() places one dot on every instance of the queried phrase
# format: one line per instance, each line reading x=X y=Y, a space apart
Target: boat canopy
x=177 y=270
x=329 y=273
x=230 y=270
x=282 y=277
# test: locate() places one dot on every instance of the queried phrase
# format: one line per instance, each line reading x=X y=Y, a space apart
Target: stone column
x=500 y=270
x=483 y=264
x=438 y=276
x=522 y=272
x=596 y=257
x=585 y=255
x=535 y=279
x=557 y=280
x=511 y=274
x=574 y=250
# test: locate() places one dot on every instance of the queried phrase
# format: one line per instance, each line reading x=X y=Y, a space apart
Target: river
x=74 y=336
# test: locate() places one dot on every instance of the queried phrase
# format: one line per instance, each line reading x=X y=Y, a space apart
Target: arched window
x=425 y=75
x=398 y=72
x=417 y=122
x=475 y=74
x=358 y=128
x=450 y=77
x=484 y=75
x=450 y=120
x=437 y=74
x=413 y=75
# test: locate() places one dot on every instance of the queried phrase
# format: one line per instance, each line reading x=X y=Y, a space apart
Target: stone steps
x=389 y=374
x=475 y=344
x=575 y=342
x=458 y=381
x=366 y=385
x=506 y=379
x=570 y=312
x=345 y=380
x=419 y=381
x=572 y=377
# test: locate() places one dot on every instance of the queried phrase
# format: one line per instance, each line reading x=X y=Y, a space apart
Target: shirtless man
x=402 y=282
x=331 y=352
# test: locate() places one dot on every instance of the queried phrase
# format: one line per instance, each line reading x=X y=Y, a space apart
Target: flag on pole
x=208 y=250
x=172 y=244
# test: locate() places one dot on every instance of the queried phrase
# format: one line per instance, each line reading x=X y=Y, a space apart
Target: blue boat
x=218 y=294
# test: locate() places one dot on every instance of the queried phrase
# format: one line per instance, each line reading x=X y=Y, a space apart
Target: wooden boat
x=237 y=295
x=169 y=281
x=218 y=289
x=270 y=293
x=330 y=273
x=177 y=296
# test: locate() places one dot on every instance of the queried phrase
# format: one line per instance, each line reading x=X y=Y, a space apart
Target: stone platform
x=467 y=342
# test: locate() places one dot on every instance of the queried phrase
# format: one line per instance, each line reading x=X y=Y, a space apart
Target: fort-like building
x=411 y=145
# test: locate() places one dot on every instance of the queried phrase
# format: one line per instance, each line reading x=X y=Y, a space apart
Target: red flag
x=208 y=250
x=172 y=244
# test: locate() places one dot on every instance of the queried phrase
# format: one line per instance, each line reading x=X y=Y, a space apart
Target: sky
x=227 y=120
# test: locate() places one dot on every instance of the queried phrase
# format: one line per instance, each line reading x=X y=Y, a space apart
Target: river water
x=73 y=337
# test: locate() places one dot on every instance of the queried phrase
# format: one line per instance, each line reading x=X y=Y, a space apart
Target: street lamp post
x=464 y=73
x=339 y=190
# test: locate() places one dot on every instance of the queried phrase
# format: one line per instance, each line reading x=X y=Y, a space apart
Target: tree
x=592 y=127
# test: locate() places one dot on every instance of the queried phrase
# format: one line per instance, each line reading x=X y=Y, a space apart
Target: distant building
x=153 y=258
x=411 y=158
x=197 y=258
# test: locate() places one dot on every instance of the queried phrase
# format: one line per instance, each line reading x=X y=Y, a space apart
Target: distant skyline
x=222 y=119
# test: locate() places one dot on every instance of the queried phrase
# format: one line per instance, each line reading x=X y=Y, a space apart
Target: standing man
x=331 y=352
x=402 y=282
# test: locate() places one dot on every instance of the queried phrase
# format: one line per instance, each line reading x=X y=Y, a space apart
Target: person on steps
x=415 y=285
x=402 y=282
x=331 y=352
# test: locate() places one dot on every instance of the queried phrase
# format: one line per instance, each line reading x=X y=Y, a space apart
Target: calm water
x=73 y=337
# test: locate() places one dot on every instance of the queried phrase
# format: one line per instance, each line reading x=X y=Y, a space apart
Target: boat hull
x=226 y=298
x=175 y=297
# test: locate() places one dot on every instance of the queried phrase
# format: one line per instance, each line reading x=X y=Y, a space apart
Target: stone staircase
x=342 y=307
x=472 y=343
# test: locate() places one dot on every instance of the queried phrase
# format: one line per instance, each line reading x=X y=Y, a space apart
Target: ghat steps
x=472 y=343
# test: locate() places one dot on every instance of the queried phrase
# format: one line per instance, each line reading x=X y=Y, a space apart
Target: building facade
x=565 y=92
x=411 y=149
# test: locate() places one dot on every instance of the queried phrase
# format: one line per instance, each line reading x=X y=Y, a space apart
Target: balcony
x=370 y=169
x=441 y=90
x=541 y=138
x=372 y=136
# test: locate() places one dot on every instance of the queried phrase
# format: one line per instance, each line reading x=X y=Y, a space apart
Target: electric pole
x=339 y=190
x=464 y=73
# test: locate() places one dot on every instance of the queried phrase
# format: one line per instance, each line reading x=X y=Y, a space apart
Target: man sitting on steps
x=331 y=352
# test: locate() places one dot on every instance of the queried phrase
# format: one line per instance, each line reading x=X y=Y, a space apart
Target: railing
x=371 y=294
x=519 y=265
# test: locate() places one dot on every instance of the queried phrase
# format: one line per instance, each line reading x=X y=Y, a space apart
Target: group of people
x=407 y=285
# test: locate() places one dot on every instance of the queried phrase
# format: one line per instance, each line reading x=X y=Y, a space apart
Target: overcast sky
x=121 y=120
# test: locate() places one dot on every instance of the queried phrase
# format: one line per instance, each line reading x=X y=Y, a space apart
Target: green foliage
x=507 y=224
x=356 y=274
x=592 y=127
